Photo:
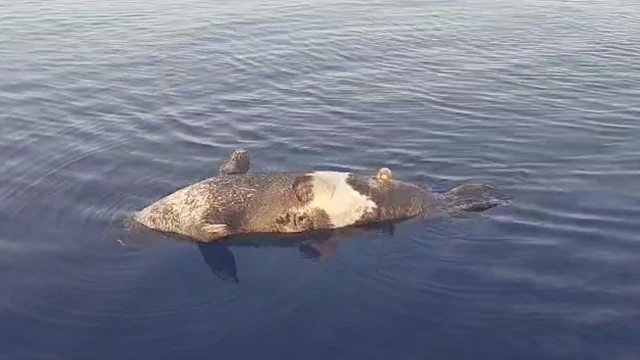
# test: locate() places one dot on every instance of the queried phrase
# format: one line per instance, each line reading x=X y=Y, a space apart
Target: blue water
x=106 y=106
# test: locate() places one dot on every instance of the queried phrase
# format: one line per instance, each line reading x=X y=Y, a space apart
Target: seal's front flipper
x=212 y=232
x=221 y=261
x=238 y=163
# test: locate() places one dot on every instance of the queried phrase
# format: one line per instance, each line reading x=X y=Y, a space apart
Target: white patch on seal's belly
x=338 y=199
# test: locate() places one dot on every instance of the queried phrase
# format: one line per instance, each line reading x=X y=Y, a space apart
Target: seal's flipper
x=212 y=232
x=238 y=163
x=470 y=190
x=479 y=206
x=472 y=198
x=221 y=261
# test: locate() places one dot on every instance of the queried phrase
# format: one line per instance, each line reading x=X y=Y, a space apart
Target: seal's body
x=235 y=202
x=223 y=205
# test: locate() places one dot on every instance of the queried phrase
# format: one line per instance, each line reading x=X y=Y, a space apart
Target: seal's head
x=384 y=174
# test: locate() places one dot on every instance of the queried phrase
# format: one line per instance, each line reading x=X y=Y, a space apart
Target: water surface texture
x=106 y=106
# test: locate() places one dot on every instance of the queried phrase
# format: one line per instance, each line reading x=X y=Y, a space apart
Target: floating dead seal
x=235 y=202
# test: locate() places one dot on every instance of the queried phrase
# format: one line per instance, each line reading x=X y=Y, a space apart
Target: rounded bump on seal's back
x=238 y=163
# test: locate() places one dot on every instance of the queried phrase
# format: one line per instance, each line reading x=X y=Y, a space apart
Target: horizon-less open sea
x=106 y=106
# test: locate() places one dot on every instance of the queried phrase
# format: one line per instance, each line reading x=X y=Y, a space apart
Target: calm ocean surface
x=106 y=106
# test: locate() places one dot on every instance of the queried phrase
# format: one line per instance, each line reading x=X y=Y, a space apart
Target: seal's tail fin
x=473 y=197
x=478 y=206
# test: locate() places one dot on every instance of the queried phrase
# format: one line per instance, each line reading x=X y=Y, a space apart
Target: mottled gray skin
x=245 y=203
x=240 y=203
x=270 y=203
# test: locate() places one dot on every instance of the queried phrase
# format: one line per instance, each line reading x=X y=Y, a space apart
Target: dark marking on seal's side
x=359 y=184
x=294 y=222
x=312 y=219
x=303 y=188
x=321 y=219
